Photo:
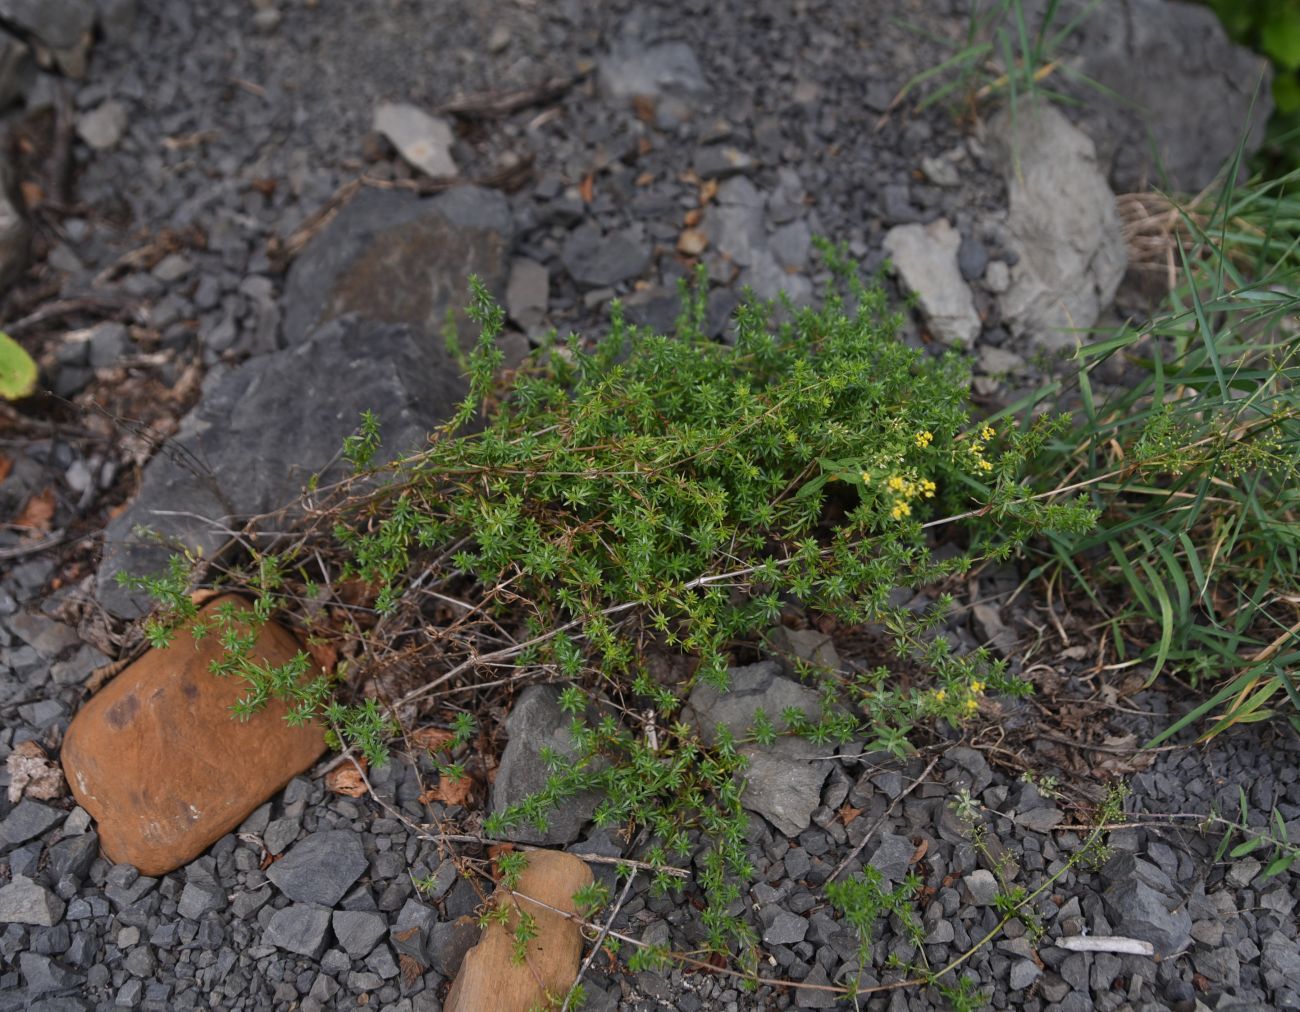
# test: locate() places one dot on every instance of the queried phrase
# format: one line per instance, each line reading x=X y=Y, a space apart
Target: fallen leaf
x=6 y=465
x=450 y=791
x=32 y=194
x=645 y=179
x=33 y=773
x=265 y=185
x=411 y=969
x=587 y=188
x=644 y=147
x=692 y=242
x=920 y=852
x=346 y=780
x=435 y=739
x=848 y=813
x=708 y=190
x=644 y=107
x=38 y=512
x=692 y=217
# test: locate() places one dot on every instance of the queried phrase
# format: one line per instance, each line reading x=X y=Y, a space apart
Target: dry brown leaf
x=6 y=465
x=645 y=179
x=346 y=780
x=37 y=514
x=432 y=738
x=644 y=108
x=32 y=194
x=692 y=217
x=692 y=242
x=587 y=188
x=848 y=813
x=921 y=850
x=411 y=969
x=33 y=773
x=708 y=190
x=450 y=791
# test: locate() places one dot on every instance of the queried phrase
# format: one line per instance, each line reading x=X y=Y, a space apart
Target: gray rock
x=289 y=411
x=196 y=900
x=721 y=161
x=359 y=931
x=1040 y=820
x=925 y=257
x=997 y=277
x=392 y=256
x=299 y=928
x=770 y=281
x=1138 y=911
x=60 y=24
x=104 y=126
x=15 y=233
x=320 y=868
x=28 y=820
x=22 y=901
x=736 y=231
x=893 y=857
x=1063 y=224
x=280 y=834
x=1023 y=973
x=535 y=723
x=116 y=18
x=1181 y=87
x=785 y=929
x=44 y=974
x=594 y=259
x=633 y=69
x=73 y=856
x=107 y=343
x=47 y=637
x=998 y=362
x=424 y=141
x=783 y=783
x=980 y=887
x=528 y=292
x=791 y=245
x=972 y=258
x=449 y=941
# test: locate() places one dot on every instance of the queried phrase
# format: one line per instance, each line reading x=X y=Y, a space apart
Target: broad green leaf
x=17 y=370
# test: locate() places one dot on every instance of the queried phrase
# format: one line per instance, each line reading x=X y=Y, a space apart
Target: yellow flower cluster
x=977 y=447
x=924 y=439
x=971 y=703
x=905 y=489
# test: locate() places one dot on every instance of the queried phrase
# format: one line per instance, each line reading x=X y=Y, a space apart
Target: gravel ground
x=229 y=129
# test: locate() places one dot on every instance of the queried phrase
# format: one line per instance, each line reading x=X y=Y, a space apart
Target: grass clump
x=655 y=496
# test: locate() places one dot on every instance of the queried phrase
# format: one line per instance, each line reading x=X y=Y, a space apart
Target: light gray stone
x=23 y=901
x=299 y=928
x=104 y=126
x=60 y=24
x=1062 y=222
x=320 y=868
x=528 y=292
x=925 y=258
x=424 y=141
x=359 y=931
x=633 y=69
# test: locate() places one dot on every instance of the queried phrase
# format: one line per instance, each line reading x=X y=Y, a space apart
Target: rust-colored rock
x=489 y=977
x=158 y=760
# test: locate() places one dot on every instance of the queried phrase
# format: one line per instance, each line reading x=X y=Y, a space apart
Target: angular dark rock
x=320 y=868
x=28 y=820
x=594 y=259
x=1138 y=911
x=393 y=257
x=23 y=901
x=300 y=928
x=290 y=412
x=358 y=931
x=60 y=24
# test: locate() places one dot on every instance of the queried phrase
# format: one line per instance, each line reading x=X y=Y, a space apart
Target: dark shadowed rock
x=394 y=257
x=594 y=259
x=265 y=427
x=60 y=24
x=299 y=928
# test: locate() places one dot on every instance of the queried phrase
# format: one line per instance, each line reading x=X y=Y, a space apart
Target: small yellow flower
x=866 y=477
x=900 y=510
x=976 y=448
x=987 y=433
x=985 y=466
x=897 y=484
x=977 y=687
x=928 y=487
x=972 y=705
x=940 y=696
x=924 y=439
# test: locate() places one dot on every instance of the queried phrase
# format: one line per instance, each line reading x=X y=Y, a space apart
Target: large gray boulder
x=263 y=428
x=395 y=257
x=1180 y=92
x=1063 y=223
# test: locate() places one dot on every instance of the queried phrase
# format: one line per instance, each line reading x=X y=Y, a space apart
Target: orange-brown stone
x=491 y=978
x=165 y=769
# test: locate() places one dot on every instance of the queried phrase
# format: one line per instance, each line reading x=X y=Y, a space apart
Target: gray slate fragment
x=537 y=722
x=449 y=941
x=196 y=900
x=925 y=257
x=73 y=856
x=1063 y=223
x=103 y=127
x=1138 y=911
x=595 y=260
x=785 y=929
x=290 y=412
x=28 y=820
x=893 y=857
x=44 y=974
x=423 y=140
x=23 y=901
x=633 y=69
x=13 y=61
x=394 y=257
x=1023 y=973
x=320 y=868
x=60 y=24
x=299 y=928
x=980 y=887
x=358 y=931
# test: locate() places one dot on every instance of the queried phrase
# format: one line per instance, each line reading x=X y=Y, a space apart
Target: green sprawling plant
x=1194 y=466
x=654 y=496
